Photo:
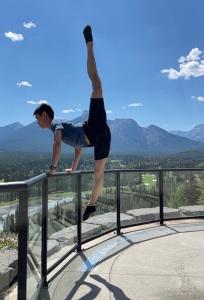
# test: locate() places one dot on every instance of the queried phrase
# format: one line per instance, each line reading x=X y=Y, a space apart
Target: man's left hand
x=52 y=172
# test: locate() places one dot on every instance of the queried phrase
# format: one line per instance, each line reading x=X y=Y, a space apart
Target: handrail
x=18 y=186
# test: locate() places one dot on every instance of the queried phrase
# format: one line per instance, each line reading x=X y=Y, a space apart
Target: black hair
x=44 y=108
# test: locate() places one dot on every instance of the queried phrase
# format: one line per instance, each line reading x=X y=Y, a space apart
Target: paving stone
x=150 y=214
x=8 y=267
x=191 y=211
x=109 y=220
x=52 y=247
x=69 y=234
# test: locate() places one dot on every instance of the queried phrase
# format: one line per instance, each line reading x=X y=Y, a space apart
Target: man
x=93 y=132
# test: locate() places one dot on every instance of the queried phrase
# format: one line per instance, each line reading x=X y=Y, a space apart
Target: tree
x=187 y=194
x=16 y=219
x=201 y=197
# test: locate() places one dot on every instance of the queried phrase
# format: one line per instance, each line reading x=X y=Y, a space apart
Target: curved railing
x=46 y=246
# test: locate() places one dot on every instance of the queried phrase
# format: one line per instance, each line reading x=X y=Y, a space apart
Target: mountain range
x=197 y=133
x=127 y=136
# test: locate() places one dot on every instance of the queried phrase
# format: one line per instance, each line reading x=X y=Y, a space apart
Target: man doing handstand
x=92 y=133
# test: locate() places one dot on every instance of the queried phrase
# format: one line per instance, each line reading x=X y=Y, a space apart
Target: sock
x=88 y=34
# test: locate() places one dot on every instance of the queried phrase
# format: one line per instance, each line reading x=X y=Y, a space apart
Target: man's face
x=41 y=120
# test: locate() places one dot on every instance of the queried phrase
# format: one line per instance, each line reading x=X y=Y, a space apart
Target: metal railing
x=23 y=189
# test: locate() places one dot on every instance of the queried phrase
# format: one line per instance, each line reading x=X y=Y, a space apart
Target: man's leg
x=98 y=180
x=91 y=65
x=96 y=93
x=98 y=185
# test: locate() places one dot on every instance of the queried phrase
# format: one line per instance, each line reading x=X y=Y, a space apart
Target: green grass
x=9 y=202
x=68 y=194
x=1 y=180
x=147 y=180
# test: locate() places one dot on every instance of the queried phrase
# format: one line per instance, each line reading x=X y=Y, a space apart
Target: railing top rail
x=18 y=186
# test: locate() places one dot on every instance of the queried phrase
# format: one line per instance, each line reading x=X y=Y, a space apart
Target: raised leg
x=91 y=65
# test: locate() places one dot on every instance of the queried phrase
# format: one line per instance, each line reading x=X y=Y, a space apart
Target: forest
x=137 y=189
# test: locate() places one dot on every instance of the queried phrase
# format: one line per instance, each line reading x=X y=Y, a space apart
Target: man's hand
x=69 y=170
x=52 y=172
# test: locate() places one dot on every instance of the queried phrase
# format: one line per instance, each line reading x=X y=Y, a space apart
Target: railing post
x=44 y=232
x=161 y=197
x=22 y=245
x=118 y=200
x=78 y=212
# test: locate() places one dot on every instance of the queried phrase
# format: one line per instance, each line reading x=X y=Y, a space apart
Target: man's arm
x=56 y=148
x=77 y=156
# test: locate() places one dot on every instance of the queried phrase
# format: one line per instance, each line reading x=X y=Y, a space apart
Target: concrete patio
x=145 y=262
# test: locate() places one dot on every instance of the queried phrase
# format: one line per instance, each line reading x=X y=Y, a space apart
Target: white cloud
x=24 y=83
x=14 y=36
x=191 y=65
x=66 y=111
x=78 y=109
x=123 y=107
x=135 y=104
x=194 y=54
x=109 y=112
x=200 y=98
x=181 y=59
x=38 y=102
x=29 y=25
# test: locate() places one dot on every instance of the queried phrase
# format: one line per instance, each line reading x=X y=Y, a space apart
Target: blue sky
x=149 y=55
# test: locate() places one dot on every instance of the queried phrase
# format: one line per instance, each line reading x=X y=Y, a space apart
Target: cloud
x=135 y=104
x=200 y=98
x=191 y=65
x=38 y=102
x=78 y=109
x=66 y=111
x=194 y=54
x=123 y=107
x=24 y=83
x=109 y=112
x=29 y=25
x=14 y=36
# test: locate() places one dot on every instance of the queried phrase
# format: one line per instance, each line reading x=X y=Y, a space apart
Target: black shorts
x=97 y=130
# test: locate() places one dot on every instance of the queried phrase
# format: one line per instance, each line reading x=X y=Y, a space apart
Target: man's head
x=44 y=115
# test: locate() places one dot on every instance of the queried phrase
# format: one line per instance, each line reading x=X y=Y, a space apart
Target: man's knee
x=96 y=83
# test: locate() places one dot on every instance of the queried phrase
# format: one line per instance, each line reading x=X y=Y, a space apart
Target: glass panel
x=139 y=194
x=62 y=230
x=104 y=218
x=183 y=194
x=34 y=239
x=8 y=241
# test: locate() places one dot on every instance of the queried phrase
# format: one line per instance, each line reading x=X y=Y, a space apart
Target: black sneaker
x=88 y=211
x=88 y=34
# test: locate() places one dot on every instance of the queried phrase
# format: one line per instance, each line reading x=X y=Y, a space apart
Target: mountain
x=197 y=133
x=127 y=136
x=10 y=129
